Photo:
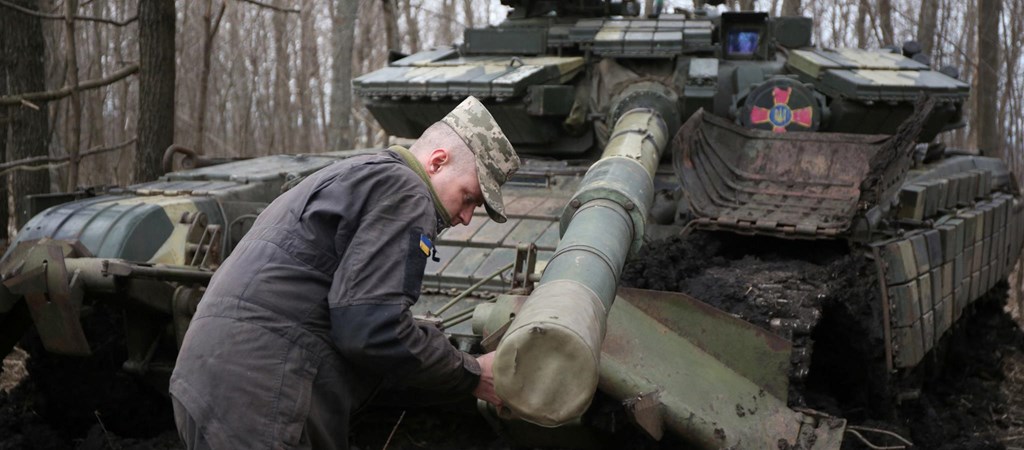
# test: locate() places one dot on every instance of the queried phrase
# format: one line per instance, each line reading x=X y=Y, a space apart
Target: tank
x=645 y=140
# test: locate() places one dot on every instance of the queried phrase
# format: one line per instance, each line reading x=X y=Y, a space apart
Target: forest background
x=89 y=89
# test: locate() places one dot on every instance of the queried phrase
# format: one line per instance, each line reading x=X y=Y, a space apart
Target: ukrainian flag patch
x=425 y=244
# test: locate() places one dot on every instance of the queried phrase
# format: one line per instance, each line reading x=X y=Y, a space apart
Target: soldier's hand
x=485 y=389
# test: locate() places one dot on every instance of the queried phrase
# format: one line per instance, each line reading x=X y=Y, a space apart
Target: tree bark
x=123 y=165
x=27 y=129
x=392 y=40
x=210 y=26
x=444 y=33
x=156 y=81
x=470 y=19
x=790 y=8
x=94 y=100
x=4 y=125
x=282 y=93
x=308 y=71
x=412 y=26
x=73 y=140
x=926 y=23
x=746 y=5
x=987 y=87
x=342 y=38
x=965 y=57
x=885 y=22
x=863 y=9
x=1010 y=109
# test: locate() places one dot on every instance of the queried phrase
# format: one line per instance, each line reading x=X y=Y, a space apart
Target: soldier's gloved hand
x=485 y=389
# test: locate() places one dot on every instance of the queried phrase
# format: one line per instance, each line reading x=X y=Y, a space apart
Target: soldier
x=309 y=317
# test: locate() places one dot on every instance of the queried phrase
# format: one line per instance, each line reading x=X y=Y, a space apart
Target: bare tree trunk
x=75 y=117
x=124 y=158
x=26 y=128
x=156 y=80
x=94 y=100
x=790 y=8
x=282 y=94
x=1010 y=109
x=392 y=41
x=412 y=27
x=746 y=5
x=5 y=120
x=444 y=34
x=342 y=38
x=965 y=57
x=926 y=24
x=863 y=9
x=986 y=120
x=366 y=61
x=469 y=18
x=885 y=22
x=308 y=71
x=241 y=90
x=210 y=26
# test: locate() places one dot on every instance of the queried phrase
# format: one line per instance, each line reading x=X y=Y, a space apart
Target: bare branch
x=269 y=6
x=43 y=15
x=216 y=22
x=52 y=162
x=30 y=104
x=66 y=90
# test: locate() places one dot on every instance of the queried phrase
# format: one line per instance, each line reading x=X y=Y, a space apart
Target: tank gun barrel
x=547 y=365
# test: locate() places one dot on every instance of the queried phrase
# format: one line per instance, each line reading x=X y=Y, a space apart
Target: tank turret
x=635 y=126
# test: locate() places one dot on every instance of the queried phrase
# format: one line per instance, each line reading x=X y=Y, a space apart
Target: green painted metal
x=36 y=271
x=560 y=328
x=750 y=351
x=703 y=399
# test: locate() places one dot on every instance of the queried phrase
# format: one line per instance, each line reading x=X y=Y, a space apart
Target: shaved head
x=440 y=135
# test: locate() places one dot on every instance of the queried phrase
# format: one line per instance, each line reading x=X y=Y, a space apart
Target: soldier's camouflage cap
x=496 y=160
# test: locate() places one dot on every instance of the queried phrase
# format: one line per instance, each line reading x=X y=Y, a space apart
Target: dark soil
x=968 y=395
x=85 y=402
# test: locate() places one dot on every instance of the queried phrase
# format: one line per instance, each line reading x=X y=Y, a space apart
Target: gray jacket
x=309 y=316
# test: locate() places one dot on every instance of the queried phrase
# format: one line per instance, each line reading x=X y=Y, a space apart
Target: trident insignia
x=780 y=115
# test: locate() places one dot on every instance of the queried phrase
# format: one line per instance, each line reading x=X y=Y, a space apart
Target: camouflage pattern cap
x=496 y=160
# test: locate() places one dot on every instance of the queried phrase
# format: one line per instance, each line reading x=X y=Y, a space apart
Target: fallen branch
x=269 y=6
x=66 y=90
x=42 y=15
x=53 y=162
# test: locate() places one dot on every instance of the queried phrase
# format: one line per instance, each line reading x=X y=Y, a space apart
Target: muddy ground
x=969 y=395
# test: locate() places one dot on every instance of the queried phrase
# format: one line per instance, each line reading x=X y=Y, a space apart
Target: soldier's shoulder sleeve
x=386 y=253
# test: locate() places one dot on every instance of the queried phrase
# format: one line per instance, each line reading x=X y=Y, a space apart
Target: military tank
x=633 y=130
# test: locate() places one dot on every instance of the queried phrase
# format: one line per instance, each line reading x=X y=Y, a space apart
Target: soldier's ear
x=438 y=158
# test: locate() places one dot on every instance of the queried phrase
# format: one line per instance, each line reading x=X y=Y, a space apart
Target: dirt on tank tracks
x=972 y=396
x=968 y=395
